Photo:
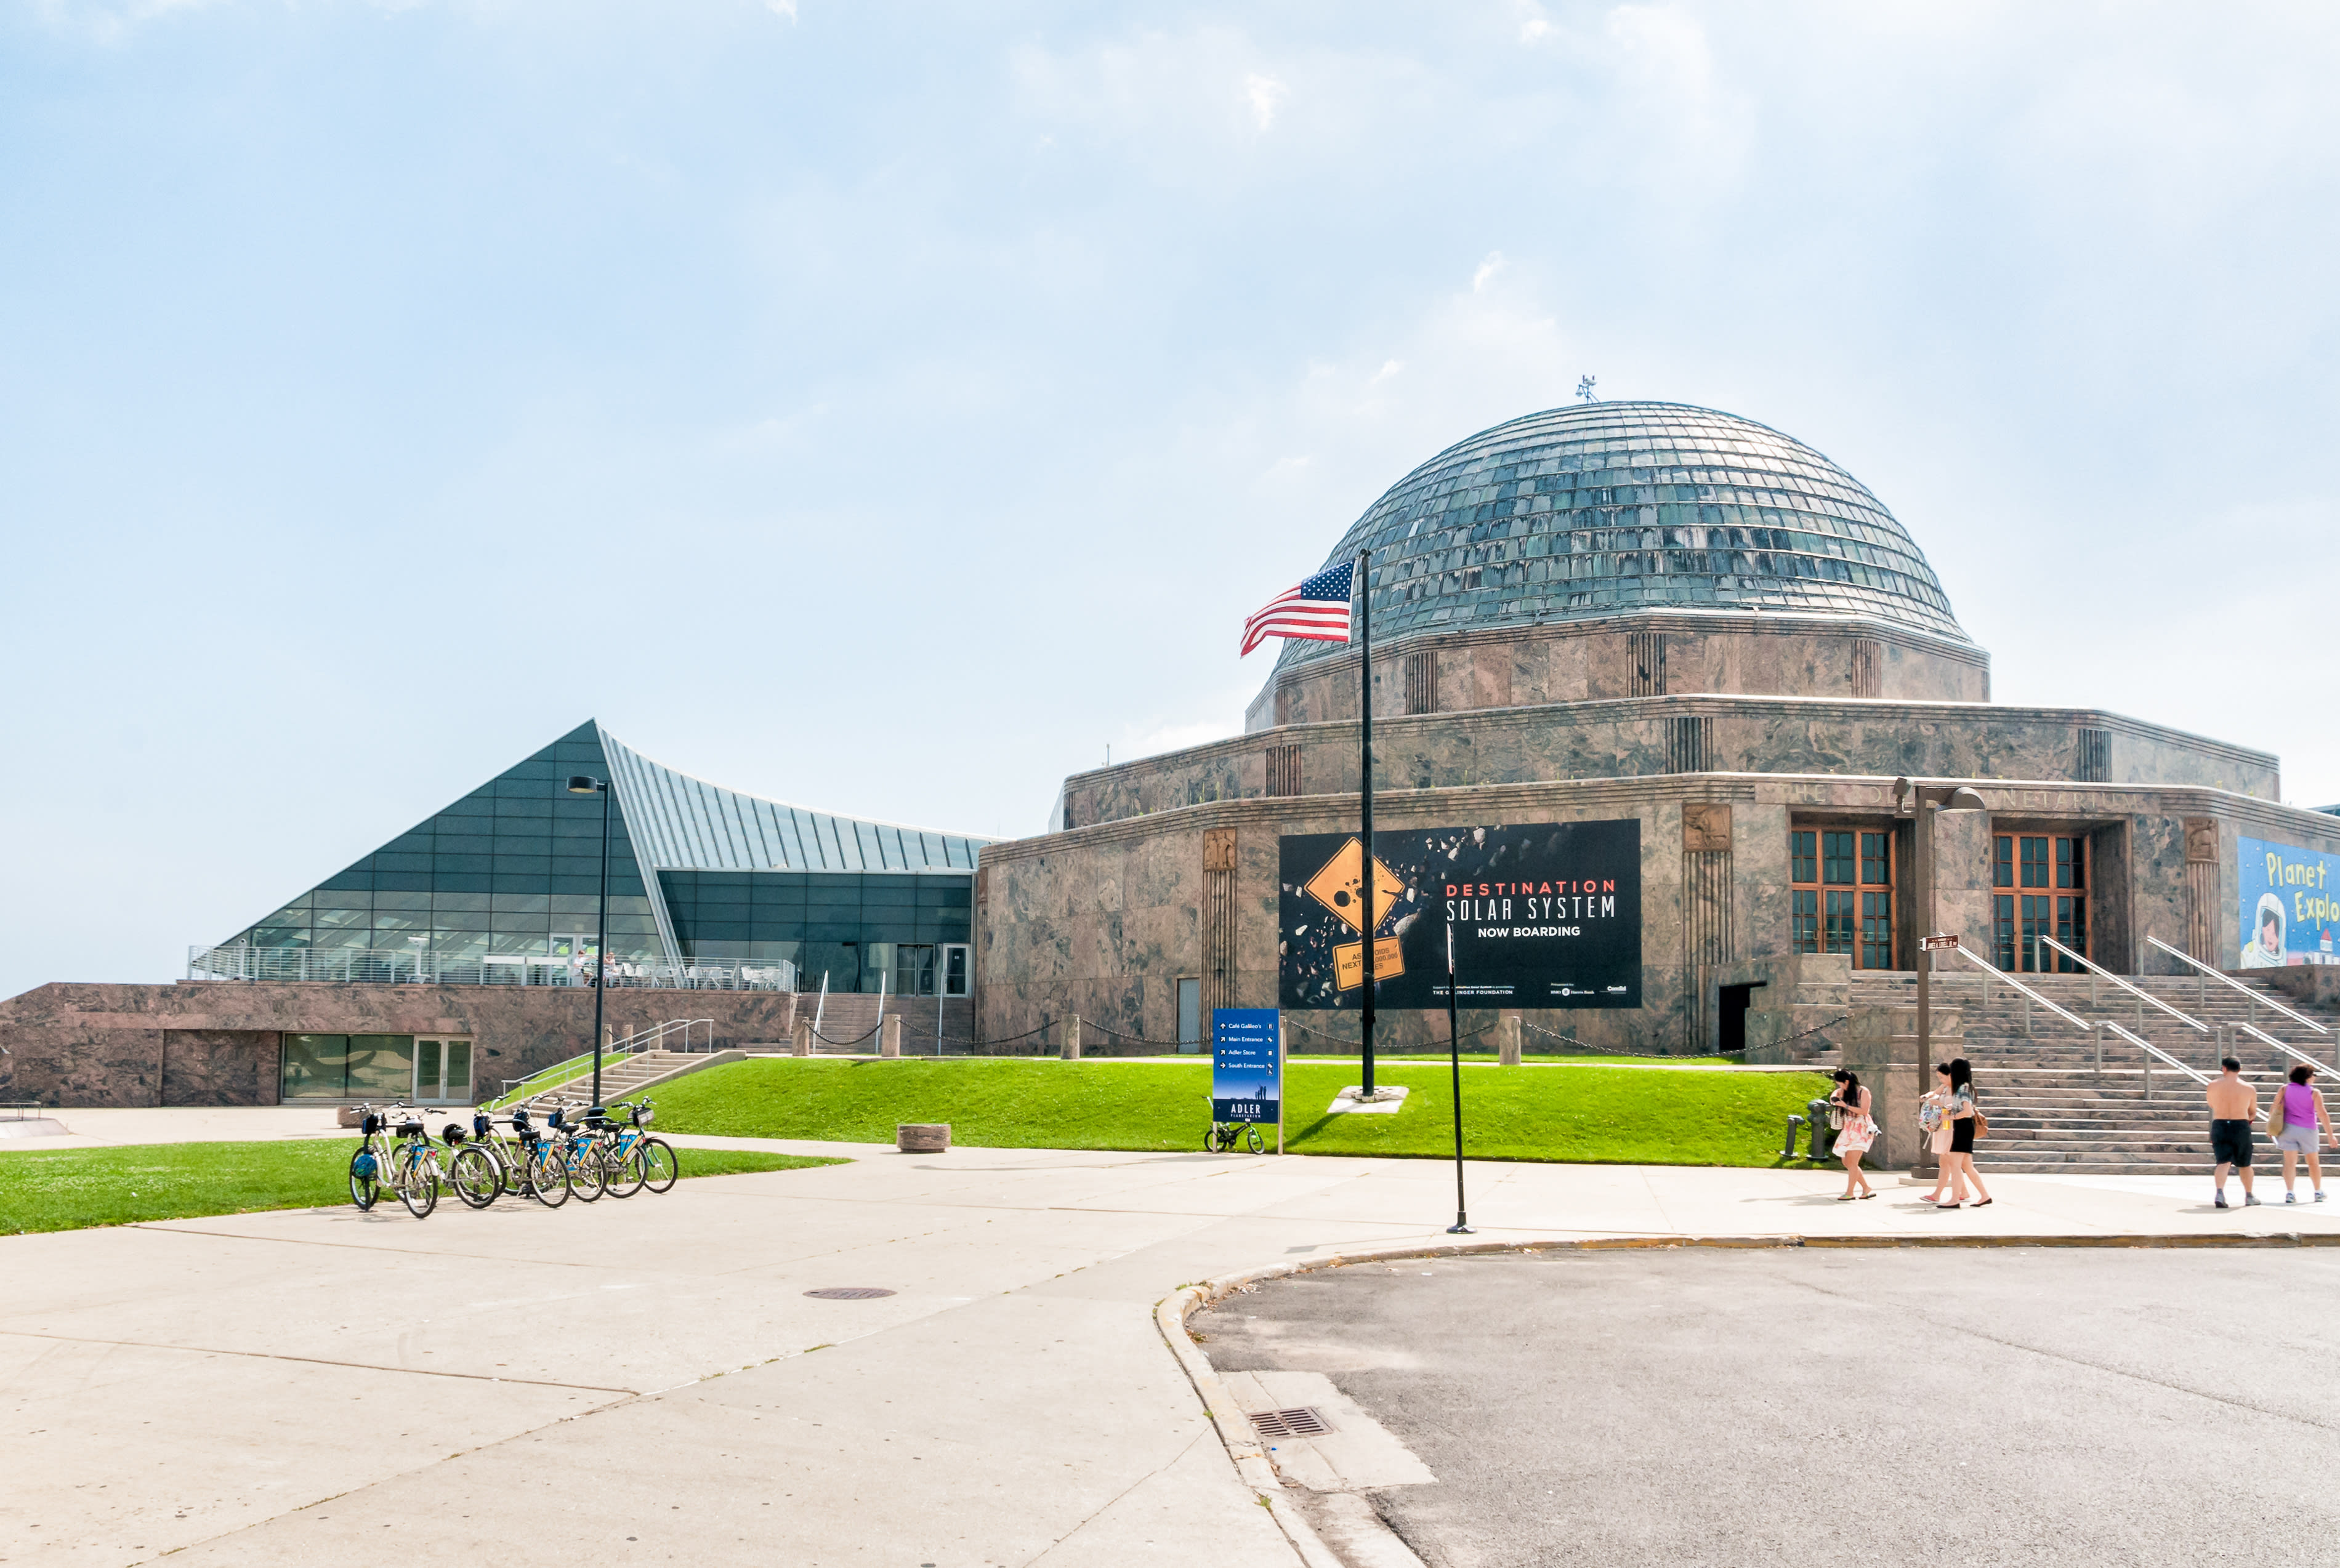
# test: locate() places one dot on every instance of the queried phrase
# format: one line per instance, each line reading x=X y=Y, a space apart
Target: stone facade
x=1103 y=921
x=1722 y=732
x=219 y=1042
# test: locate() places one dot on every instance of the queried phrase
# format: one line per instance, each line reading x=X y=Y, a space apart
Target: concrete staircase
x=2052 y=1109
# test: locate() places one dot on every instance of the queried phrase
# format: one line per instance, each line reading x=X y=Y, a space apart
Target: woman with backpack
x=1850 y=1102
x=1965 y=1120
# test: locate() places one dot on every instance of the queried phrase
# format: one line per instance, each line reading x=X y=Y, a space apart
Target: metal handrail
x=2229 y=981
x=416 y=966
x=2193 y=1023
x=1990 y=973
x=2259 y=1034
x=2152 y=1050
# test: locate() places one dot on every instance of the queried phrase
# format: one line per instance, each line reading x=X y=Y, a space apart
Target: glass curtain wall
x=502 y=871
x=855 y=927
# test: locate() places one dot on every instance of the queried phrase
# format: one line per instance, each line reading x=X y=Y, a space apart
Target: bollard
x=1823 y=1138
x=1071 y=1049
x=1507 y=1039
x=1794 y=1121
x=889 y=1036
x=803 y=1039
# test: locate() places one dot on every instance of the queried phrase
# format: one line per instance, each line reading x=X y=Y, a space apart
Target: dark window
x=1836 y=859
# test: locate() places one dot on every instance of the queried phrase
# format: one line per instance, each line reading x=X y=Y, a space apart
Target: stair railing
x=2231 y=983
x=2143 y=997
x=2029 y=996
x=2151 y=1051
x=2300 y=1056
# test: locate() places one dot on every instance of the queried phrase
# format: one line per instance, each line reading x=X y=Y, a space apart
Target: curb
x=1249 y=1454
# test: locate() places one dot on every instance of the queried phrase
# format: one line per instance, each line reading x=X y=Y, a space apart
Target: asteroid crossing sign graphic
x=1546 y=915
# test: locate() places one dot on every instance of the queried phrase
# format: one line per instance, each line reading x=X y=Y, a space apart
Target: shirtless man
x=2234 y=1113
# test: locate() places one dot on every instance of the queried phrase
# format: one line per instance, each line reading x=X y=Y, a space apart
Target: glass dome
x=1607 y=508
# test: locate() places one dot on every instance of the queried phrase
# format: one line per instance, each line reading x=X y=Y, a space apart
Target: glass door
x=1841 y=893
x=443 y=1072
x=955 y=969
x=572 y=957
x=2045 y=878
x=1190 y=1013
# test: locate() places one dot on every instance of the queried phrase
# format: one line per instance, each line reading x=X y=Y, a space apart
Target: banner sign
x=2290 y=904
x=1545 y=914
x=1247 y=1064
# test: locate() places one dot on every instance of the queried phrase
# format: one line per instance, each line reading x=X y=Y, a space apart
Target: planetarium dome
x=1601 y=509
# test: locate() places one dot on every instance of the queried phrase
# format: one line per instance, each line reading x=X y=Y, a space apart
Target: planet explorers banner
x=1546 y=915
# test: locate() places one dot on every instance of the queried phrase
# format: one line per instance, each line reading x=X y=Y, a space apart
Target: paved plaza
x=650 y=1374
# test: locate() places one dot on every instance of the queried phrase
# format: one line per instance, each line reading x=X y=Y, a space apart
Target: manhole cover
x=849 y=1293
x=1299 y=1422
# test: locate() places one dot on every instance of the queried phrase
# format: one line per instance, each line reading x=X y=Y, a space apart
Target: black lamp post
x=1921 y=801
x=584 y=783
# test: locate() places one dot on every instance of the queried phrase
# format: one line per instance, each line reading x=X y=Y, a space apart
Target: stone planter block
x=922 y=1136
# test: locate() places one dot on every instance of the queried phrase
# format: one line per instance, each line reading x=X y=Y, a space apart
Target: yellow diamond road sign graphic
x=1340 y=886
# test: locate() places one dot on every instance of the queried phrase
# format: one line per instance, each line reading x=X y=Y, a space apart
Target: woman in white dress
x=1858 y=1131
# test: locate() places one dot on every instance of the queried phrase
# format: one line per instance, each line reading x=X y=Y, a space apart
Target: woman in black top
x=1957 y=1161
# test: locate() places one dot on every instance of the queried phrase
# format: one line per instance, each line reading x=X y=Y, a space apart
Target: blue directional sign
x=1247 y=1064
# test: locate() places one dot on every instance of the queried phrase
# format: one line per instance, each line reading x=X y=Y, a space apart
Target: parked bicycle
x=630 y=1157
x=404 y=1160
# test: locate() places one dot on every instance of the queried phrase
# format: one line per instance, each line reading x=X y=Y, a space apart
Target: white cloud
x=1389 y=367
x=785 y=8
x=1486 y=272
x=1266 y=95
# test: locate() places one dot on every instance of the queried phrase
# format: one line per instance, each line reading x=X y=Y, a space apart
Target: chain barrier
x=1359 y=1045
x=1089 y=1023
x=856 y=1039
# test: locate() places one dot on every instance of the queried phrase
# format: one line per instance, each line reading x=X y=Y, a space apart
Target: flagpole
x=1461 y=1226
x=1365 y=771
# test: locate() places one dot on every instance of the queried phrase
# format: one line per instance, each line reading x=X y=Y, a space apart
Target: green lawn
x=1589 y=1114
x=67 y=1189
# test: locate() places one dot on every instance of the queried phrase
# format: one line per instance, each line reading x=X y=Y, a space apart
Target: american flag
x=1316 y=611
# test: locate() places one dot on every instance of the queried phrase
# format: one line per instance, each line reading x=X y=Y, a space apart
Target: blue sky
x=886 y=408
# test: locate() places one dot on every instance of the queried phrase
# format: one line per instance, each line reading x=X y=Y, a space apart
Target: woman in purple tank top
x=2299 y=1122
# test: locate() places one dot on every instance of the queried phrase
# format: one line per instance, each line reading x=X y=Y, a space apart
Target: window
x=1841 y=898
x=378 y=1067
x=2040 y=888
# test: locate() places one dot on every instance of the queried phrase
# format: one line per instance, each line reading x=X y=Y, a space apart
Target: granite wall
x=1637 y=736
x=1616 y=656
x=218 y=1042
x=1103 y=921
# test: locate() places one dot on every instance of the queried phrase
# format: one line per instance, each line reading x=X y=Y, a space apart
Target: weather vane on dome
x=1584 y=389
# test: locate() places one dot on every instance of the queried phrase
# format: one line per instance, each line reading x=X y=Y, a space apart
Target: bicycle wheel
x=659 y=1166
x=473 y=1174
x=1253 y=1141
x=364 y=1188
x=587 y=1179
x=623 y=1174
x=418 y=1187
x=548 y=1180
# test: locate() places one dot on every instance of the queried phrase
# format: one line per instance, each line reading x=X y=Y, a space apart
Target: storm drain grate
x=849 y=1293
x=1298 y=1421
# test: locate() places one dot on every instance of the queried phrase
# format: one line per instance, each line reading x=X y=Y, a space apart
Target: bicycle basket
x=520 y=1119
x=365 y=1166
x=482 y=1123
x=371 y=1125
x=556 y=1119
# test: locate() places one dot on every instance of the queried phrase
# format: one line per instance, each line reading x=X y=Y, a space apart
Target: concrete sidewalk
x=649 y=1376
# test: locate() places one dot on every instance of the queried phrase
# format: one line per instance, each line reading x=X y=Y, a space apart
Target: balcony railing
x=394 y=966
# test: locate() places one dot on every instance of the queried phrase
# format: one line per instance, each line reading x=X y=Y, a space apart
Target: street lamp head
x=581 y=783
x=1964 y=799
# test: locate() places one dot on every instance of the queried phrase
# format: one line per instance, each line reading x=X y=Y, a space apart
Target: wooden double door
x=1842 y=890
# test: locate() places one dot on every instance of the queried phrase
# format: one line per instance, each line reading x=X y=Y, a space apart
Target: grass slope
x=1590 y=1114
x=68 y=1189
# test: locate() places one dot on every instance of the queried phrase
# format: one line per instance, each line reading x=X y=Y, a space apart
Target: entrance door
x=1190 y=1013
x=914 y=969
x=2046 y=879
x=1842 y=893
x=955 y=969
x=443 y=1072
